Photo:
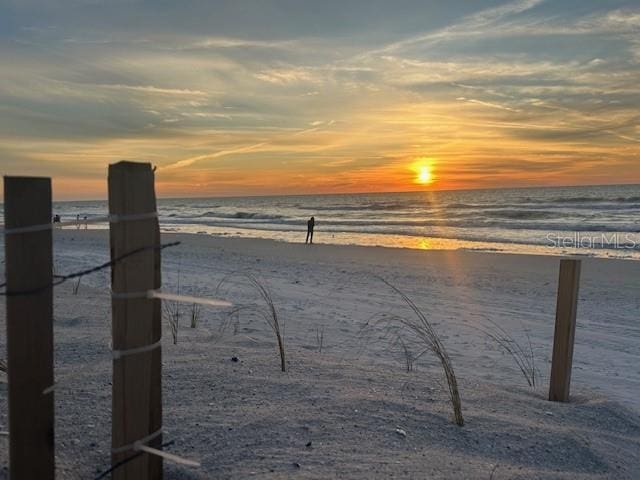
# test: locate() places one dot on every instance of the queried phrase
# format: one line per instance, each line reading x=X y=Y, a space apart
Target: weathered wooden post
x=136 y=328
x=29 y=275
x=566 y=310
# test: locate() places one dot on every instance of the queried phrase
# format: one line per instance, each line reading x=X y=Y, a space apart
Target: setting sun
x=423 y=170
x=424 y=175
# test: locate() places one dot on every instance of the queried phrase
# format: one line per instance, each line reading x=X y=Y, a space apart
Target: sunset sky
x=275 y=97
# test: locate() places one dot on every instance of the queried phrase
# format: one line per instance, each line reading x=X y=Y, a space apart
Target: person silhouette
x=310 y=224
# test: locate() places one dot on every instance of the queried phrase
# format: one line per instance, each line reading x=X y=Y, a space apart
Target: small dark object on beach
x=235 y=359
x=309 y=443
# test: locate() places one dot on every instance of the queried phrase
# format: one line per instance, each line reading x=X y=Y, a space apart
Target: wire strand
x=60 y=279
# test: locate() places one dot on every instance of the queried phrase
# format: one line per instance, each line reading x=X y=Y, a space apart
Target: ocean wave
x=410 y=227
x=565 y=238
x=383 y=206
x=589 y=199
x=523 y=214
x=162 y=202
x=629 y=204
x=257 y=216
x=239 y=215
x=465 y=205
x=191 y=215
x=483 y=226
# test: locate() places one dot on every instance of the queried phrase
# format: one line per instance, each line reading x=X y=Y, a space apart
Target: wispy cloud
x=487 y=104
x=154 y=90
x=474 y=24
x=210 y=156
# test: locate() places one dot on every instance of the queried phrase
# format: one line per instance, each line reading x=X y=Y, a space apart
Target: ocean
x=601 y=221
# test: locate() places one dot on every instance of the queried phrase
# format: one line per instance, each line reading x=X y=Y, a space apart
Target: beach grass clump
x=409 y=357
x=522 y=356
x=171 y=312
x=195 y=314
x=419 y=326
x=266 y=311
x=320 y=338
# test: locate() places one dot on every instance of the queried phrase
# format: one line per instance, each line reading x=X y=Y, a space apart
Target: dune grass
x=418 y=325
x=268 y=311
x=522 y=356
x=320 y=338
x=195 y=314
x=171 y=312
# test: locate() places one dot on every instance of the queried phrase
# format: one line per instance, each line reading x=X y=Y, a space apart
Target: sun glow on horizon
x=424 y=171
x=425 y=175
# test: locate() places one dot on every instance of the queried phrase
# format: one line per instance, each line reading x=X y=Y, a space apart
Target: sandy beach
x=347 y=407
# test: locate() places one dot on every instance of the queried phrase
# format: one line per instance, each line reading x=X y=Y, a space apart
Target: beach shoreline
x=426 y=244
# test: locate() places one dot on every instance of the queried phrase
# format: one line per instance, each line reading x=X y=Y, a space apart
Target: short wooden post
x=28 y=257
x=566 y=310
x=137 y=388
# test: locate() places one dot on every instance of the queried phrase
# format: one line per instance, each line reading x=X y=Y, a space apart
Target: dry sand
x=334 y=414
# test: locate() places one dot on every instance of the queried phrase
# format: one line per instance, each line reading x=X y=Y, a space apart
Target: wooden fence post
x=137 y=387
x=28 y=257
x=566 y=310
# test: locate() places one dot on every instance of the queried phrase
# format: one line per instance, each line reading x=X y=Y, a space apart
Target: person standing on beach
x=310 y=224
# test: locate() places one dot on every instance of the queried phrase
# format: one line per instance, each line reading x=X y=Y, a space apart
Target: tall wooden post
x=28 y=257
x=566 y=310
x=137 y=388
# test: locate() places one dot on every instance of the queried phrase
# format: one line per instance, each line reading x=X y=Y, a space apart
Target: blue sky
x=260 y=97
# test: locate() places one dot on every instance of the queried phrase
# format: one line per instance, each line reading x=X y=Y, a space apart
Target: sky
x=290 y=97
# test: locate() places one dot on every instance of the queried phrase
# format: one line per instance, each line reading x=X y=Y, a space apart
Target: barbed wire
x=60 y=279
